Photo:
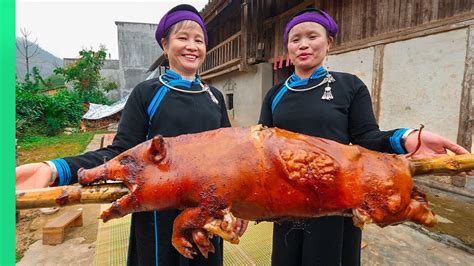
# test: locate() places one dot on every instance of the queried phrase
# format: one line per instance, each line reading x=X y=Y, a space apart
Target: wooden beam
x=222 y=72
x=212 y=9
x=289 y=12
x=377 y=79
x=466 y=112
x=453 y=23
x=222 y=66
x=244 y=38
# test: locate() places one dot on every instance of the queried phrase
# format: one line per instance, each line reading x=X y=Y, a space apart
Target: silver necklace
x=327 y=91
x=205 y=88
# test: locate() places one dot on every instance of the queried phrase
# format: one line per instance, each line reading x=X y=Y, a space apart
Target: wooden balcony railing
x=224 y=55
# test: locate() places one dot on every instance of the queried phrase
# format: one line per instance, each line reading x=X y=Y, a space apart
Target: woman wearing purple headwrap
x=175 y=103
x=335 y=106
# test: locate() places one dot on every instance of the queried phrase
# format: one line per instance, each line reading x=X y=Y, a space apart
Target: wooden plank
x=453 y=23
x=222 y=72
x=377 y=79
x=365 y=18
x=442 y=9
x=403 y=14
x=372 y=27
x=409 y=13
x=456 y=6
x=222 y=66
x=417 y=17
x=357 y=13
x=395 y=15
x=434 y=10
x=449 y=8
x=466 y=112
x=425 y=11
x=53 y=231
x=347 y=21
x=244 y=36
x=381 y=15
x=386 y=16
x=291 y=11
x=278 y=39
x=66 y=219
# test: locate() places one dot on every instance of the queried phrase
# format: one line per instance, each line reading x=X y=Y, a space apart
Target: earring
x=326 y=62
x=329 y=79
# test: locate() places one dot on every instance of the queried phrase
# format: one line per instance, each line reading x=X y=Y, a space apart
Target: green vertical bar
x=7 y=131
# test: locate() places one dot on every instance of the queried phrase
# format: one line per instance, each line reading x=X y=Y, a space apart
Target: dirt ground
x=29 y=228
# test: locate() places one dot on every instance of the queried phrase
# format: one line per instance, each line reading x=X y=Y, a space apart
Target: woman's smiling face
x=185 y=48
x=308 y=45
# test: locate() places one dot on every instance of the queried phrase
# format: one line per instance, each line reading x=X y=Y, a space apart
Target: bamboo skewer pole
x=442 y=165
x=106 y=193
x=69 y=195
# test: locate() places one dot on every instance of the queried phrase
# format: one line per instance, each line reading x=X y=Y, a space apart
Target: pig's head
x=127 y=166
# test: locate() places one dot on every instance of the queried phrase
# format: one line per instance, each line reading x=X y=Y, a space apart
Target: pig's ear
x=157 y=148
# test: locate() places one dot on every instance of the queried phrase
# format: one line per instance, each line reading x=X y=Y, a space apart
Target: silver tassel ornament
x=327 y=91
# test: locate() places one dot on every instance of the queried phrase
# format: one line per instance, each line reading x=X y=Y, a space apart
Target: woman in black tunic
x=335 y=106
x=175 y=103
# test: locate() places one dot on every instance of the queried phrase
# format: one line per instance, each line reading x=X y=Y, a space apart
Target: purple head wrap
x=311 y=15
x=175 y=15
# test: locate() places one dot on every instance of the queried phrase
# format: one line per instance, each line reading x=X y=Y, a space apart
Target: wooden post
x=466 y=112
x=244 y=36
x=377 y=79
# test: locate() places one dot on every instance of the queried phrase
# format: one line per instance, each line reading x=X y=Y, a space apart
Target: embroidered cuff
x=396 y=140
x=64 y=172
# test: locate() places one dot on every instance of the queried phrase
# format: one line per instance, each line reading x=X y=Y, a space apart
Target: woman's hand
x=432 y=145
x=240 y=226
x=33 y=175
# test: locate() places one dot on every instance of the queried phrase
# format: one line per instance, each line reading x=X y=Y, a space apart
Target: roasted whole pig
x=257 y=174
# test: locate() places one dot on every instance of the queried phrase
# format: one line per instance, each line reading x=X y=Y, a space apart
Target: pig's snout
x=88 y=176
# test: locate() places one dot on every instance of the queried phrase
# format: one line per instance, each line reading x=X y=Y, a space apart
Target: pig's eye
x=127 y=160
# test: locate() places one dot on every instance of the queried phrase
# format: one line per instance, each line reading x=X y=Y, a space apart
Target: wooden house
x=420 y=50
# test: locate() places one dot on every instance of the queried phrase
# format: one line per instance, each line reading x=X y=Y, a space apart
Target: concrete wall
x=138 y=49
x=248 y=88
x=111 y=71
x=422 y=83
x=359 y=63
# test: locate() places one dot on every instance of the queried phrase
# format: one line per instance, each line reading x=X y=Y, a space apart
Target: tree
x=26 y=47
x=85 y=76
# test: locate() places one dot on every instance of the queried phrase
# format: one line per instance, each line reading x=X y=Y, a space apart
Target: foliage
x=32 y=82
x=63 y=109
x=36 y=111
x=29 y=104
x=39 y=112
x=85 y=76
x=53 y=82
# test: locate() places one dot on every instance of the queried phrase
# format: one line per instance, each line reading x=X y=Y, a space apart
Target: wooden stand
x=53 y=231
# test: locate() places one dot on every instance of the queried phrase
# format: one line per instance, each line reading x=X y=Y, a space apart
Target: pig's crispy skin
x=259 y=174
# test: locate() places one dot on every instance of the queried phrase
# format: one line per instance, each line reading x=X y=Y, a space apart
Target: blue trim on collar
x=295 y=80
x=174 y=79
